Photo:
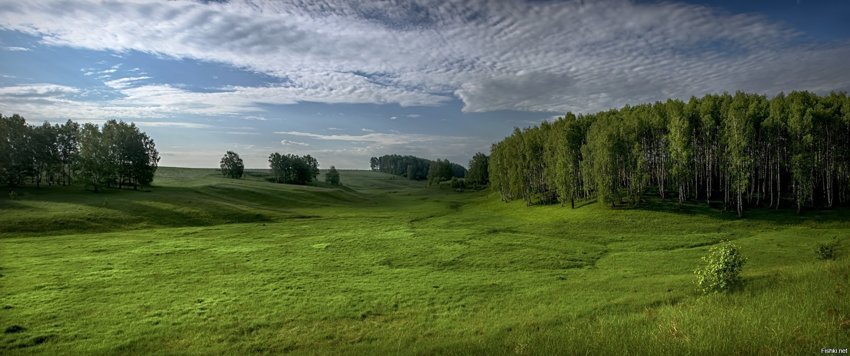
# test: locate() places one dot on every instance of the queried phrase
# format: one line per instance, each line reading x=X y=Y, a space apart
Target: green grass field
x=201 y=264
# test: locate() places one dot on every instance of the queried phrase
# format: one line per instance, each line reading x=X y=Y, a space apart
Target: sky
x=346 y=80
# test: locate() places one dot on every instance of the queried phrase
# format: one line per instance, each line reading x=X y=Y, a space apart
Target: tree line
x=441 y=170
x=416 y=168
x=744 y=149
x=117 y=154
x=411 y=167
x=293 y=169
x=285 y=168
x=479 y=170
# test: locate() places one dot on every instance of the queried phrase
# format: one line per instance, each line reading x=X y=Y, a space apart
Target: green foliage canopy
x=745 y=149
x=293 y=169
x=231 y=165
x=117 y=154
x=722 y=269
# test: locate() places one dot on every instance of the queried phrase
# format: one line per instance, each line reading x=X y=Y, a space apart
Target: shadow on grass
x=783 y=216
x=165 y=207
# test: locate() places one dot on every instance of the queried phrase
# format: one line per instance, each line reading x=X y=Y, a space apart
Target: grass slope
x=202 y=264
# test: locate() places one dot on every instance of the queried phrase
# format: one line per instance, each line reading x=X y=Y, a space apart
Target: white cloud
x=413 y=116
x=293 y=143
x=17 y=49
x=393 y=117
x=542 y=56
x=185 y=125
x=123 y=83
x=36 y=90
x=162 y=100
x=242 y=133
x=374 y=137
x=174 y=124
x=367 y=130
x=52 y=101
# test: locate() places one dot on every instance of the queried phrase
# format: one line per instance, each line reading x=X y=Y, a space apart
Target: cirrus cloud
x=372 y=137
x=293 y=143
x=536 y=56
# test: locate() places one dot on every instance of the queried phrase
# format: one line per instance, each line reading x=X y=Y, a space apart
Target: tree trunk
x=725 y=184
x=740 y=205
x=778 y=185
x=708 y=179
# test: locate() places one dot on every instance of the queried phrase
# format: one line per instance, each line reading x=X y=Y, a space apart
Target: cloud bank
x=539 y=56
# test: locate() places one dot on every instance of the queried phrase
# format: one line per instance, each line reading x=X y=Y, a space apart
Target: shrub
x=826 y=250
x=332 y=177
x=458 y=184
x=722 y=269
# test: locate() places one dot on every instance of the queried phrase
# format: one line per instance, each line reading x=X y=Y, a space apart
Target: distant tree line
x=116 y=155
x=286 y=168
x=293 y=169
x=413 y=168
x=441 y=170
x=416 y=168
x=744 y=149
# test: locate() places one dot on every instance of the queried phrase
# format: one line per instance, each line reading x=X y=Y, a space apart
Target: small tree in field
x=722 y=269
x=332 y=177
x=231 y=165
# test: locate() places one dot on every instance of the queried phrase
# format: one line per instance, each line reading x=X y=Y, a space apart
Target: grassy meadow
x=200 y=264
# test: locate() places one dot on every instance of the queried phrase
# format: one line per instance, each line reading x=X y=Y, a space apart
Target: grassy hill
x=201 y=264
x=183 y=197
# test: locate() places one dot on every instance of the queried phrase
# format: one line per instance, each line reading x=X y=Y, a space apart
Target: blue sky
x=346 y=80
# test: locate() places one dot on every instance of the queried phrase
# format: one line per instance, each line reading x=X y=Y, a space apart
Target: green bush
x=458 y=184
x=332 y=177
x=826 y=250
x=722 y=269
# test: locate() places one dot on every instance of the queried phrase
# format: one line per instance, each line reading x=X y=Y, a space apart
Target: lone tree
x=332 y=176
x=231 y=165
